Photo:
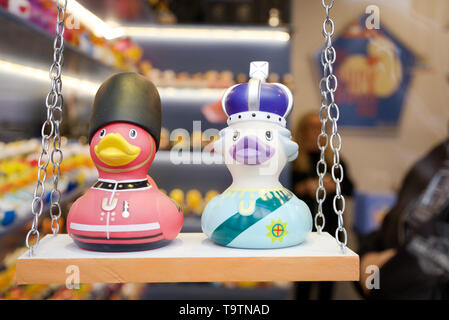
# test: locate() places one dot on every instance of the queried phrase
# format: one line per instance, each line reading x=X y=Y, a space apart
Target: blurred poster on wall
x=374 y=71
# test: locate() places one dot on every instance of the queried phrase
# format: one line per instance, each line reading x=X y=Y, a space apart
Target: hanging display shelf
x=189 y=258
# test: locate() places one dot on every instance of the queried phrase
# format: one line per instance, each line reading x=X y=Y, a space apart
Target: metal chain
x=50 y=133
x=323 y=139
x=329 y=111
x=321 y=166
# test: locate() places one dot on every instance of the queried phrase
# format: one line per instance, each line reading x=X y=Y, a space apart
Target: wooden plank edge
x=140 y=270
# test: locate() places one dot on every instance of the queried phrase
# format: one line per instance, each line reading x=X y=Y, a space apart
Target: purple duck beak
x=250 y=150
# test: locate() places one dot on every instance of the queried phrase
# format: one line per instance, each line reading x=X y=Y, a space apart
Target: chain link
x=321 y=166
x=50 y=135
x=329 y=111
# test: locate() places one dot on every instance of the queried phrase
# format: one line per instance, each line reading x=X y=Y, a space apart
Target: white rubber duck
x=256 y=211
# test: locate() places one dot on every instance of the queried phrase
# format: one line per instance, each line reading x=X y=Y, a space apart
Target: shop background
x=377 y=159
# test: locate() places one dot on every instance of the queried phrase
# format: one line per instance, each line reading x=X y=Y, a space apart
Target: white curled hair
x=290 y=146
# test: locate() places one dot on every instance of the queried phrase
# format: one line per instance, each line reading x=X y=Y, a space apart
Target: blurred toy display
x=9 y=290
x=191 y=201
x=18 y=164
x=254 y=284
x=121 y=52
x=213 y=112
x=18 y=170
x=164 y=144
x=22 y=147
x=161 y=9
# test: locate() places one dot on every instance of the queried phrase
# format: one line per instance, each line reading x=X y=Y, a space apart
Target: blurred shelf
x=182 y=106
x=188 y=48
x=191 y=98
x=22 y=40
x=191 y=257
x=207 y=33
x=26 y=53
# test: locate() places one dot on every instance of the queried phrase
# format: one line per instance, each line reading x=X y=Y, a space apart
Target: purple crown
x=257 y=100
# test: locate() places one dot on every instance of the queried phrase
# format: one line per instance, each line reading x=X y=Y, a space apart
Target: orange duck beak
x=115 y=151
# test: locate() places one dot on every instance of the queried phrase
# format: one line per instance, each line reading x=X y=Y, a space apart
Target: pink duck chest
x=119 y=213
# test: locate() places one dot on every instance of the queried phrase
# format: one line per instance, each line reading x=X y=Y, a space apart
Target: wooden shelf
x=190 y=258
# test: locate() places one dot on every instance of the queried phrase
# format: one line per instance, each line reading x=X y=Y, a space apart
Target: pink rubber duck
x=124 y=210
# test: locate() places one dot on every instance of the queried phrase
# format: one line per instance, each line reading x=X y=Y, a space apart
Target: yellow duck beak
x=115 y=151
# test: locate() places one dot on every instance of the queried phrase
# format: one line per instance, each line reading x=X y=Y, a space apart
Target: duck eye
x=102 y=133
x=132 y=134
x=269 y=135
x=236 y=135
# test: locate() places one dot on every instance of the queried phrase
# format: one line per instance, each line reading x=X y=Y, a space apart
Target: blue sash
x=238 y=223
